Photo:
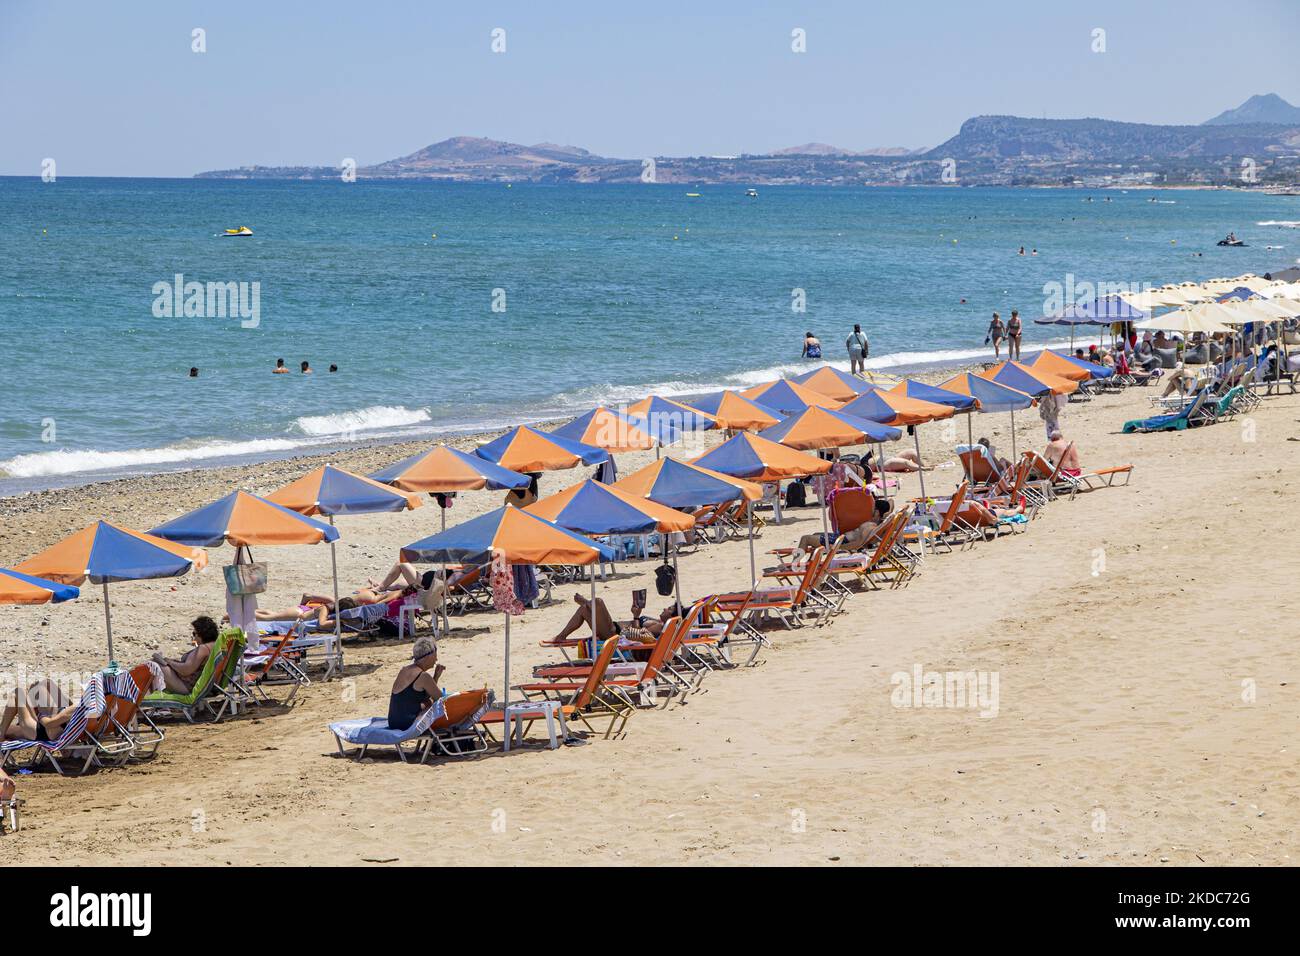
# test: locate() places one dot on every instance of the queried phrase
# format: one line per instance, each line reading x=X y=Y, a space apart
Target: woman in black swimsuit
x=415 y=689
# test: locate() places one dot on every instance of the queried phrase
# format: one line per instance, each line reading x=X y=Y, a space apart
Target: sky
x=115 y=89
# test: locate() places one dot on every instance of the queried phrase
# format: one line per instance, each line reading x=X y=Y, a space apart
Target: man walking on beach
x=859 y=348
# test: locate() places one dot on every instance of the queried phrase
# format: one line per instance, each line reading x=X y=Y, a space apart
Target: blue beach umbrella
x=19 y=588
x=105 y=553
x=525 y=449
x=244 y=519
x=663 y=413
x=521 y=538
x=801 y=430
x=991 y=397
x=933 y=393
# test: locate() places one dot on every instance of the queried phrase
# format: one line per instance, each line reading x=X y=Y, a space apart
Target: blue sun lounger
x=1177 y=421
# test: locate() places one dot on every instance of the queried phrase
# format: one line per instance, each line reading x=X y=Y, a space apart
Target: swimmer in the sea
x=279 y=368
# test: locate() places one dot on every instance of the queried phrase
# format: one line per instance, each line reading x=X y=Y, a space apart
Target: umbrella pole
x=108 y=624
x=592 y=608
x=821 y=493
x=506 y=685
x=677 y=578
x=970 y=443
x=1013 y=433
x=338 y=621
x=446 y=587
x=880 y=467
x=920 y=472
x=749 y=520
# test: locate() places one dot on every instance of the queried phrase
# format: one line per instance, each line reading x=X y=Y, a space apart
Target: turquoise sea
x=602 y=294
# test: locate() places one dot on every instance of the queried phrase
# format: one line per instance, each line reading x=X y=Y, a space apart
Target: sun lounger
x=1177 y=421
x=273 y=667
x=789 y=604
x=213 y=693
x=948 y=530
x=587 y=701
x=450 y=727
x=97 y=733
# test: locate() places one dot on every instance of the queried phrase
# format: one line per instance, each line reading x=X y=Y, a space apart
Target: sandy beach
x=1140 y=638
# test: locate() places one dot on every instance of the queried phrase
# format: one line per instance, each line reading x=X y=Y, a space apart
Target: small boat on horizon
x=241 y=231
x=751 y=193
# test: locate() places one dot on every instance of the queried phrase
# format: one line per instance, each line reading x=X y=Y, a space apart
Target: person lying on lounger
x=400 y=581
x=37 y=713
x=179 y=674
x=1058 y=448
x=7 y=787
x=905 y=461
x=414 y=688
x=854 y=539
x=640 y=629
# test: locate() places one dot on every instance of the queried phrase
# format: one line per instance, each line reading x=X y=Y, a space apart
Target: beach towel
x=375 y=730
x=504 y=598
x=526 y=588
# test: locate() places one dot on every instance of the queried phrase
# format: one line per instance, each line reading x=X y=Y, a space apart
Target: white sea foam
x=361 y=420
x=1288 y=223
x=616 y=394
x=66 y=462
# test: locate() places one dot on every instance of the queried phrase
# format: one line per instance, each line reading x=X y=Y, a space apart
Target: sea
x=453 y=308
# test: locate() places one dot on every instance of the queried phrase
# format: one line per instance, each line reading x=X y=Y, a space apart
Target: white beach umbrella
x=1206 y=318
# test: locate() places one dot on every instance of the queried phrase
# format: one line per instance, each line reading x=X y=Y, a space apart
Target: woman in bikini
x=995 y=332
x=1014 y=328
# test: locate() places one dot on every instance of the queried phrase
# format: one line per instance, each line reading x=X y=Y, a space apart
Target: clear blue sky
x=112 y=88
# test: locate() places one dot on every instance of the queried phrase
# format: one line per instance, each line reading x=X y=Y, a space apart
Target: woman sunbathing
x=38 y=713
x=640 y=629
x=180 y=674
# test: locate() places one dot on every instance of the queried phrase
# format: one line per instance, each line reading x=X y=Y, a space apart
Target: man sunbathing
x=180 y=674
x=38 y=713
x=1066 y=454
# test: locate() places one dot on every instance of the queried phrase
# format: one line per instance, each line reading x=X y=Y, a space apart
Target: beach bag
x=796 y=496
x=245 y=578
x=665 y=579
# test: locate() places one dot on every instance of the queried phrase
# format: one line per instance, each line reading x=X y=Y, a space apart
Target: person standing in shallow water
x=859 y=348
x=995 y=332
x=812 y=346
x=1014 y=329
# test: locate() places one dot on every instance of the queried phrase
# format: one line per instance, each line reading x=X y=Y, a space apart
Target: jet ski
x=1231 y=241
x=241 y=231
x=751 y=193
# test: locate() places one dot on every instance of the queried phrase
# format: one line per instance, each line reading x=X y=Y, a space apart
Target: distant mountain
x=1260 y=108
x=822 y=149
x=1098 y=140
x=987 y=150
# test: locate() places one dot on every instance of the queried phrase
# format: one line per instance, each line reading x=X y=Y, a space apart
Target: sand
x=1141 y=639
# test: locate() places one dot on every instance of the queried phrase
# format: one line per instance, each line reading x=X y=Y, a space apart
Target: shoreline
x=312 y=456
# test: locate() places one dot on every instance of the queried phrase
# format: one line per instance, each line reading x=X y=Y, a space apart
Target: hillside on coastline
x=987 y=150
